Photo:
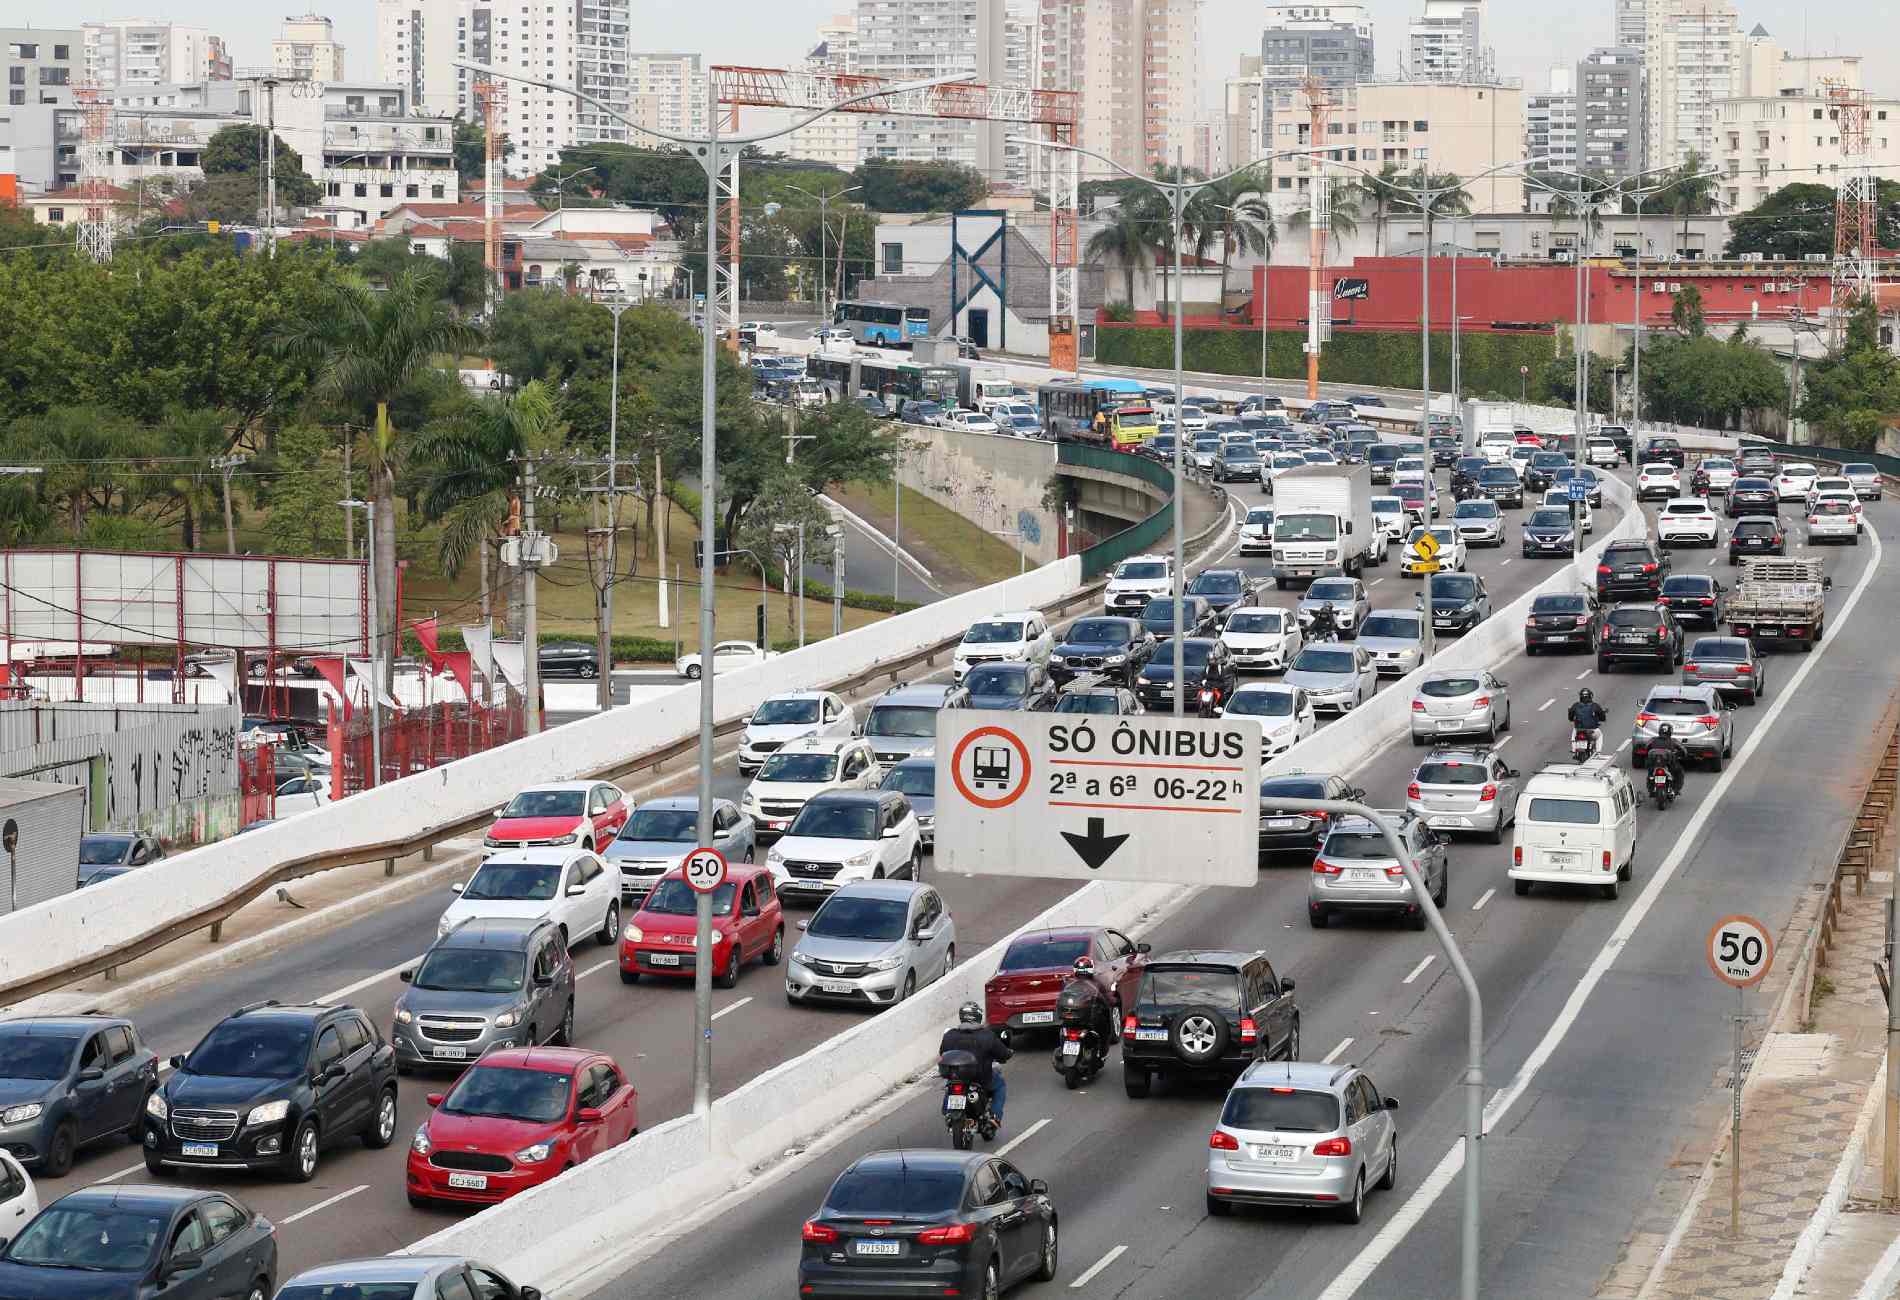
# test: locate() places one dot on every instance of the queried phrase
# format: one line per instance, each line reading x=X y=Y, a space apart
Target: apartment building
x=906 y=40
x=150 y=52
x=38 y=68
x=667 y=92
x=1136 y=67
x=1550 y=122
x=1632 y=23
x=1610 y=112
x=1446 y=43
x=833 y=139
x=1793 y=136
x=1244 y=110
x=1464 y=128
x=1693 y=52
x=307 y=50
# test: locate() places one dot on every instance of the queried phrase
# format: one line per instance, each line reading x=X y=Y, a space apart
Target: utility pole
x=530 y=551
x=604 y=700
x=663 y=512
x=224 y=465
x=270 y=168
x=836 y=534
x=349 y=486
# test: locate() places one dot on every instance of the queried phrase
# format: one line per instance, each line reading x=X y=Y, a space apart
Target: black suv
x=1117 y=647
x=1501 y=484
x=269 y=1087
x=1446 y=448
x=1641 y=634
x=1224 y=590
x=1287 y=830
x=66 y=1081
x=1203 y=661
x=1541 y=469
x=1663 y=451
x=1631 y=569
x=1756 y=536
x=1207 y=1012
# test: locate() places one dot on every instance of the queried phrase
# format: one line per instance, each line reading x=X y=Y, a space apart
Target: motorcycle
x=966 y=1099
x=1209 y=699
x=1583 y=746
x=1661 y=789
x=1079 y=1055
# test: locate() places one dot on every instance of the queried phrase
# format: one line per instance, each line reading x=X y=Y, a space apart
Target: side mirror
x=1038 y=1188
x=457 y=887
x=406 y=975
x=529 y=1293
x=588 y=1115
x=577 y=891
x=892 y=832
x=92 y=1074
x=183 y=1264
x=435 y=1099
x=746 y=720
x=1391 y=1103
x=924 y=933
x=805 y=924
x=1286 y=984
x=176 y=1062
x=501 y=810
x=1144 y=947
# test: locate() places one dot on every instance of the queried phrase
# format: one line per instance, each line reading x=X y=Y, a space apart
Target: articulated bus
x=848 y=377
x=882 y=324
x=1069 y=410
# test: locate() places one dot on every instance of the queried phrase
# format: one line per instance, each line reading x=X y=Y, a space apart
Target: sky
x=1529 y=35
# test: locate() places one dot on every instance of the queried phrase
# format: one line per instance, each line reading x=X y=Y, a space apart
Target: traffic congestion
x=1262 y=1043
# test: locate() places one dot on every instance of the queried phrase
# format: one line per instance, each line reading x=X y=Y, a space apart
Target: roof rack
x=256 y=1006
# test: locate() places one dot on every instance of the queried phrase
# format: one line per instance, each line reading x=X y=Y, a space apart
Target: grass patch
x=960 y=553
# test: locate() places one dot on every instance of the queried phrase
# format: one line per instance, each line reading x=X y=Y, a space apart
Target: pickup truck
x=1780 y=599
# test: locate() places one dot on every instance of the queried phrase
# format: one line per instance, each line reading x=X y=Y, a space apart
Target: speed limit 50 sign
x=1740 y=951
x=705 y=869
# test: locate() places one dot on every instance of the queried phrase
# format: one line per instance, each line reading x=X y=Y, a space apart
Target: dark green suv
x=1207 y=1012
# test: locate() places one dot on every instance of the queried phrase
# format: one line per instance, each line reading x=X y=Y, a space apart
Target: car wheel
x=1317 y=917
x=260 y=1290
x=1507 y=719
x=692 y=672
x=991 y=1290
x=877 y=873
x=1200 y=1035
x=382 y=1129
x=776 y=953
x=610 y=931
x=1416 y=921
x=59 y=1152
x=1355 y=1209
x=629 y=976
x=135 y=1132
x=1603 y=666
x=915 y=871
x=300 y=1159
x=589 y=671
x=1292 y=1052
x=1136 y=1081
x=1046 y=1271
x=564 y=1036
x=749 y=851
x=910 y=987
x=1521 y=887
x=949 y=961
x=155 y=1167
x=1217 y=1208
x=1443 y=896
x=1390 y=1178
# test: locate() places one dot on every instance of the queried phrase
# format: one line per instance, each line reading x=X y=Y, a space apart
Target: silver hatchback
x=1465 y=789
x=1700 y=720
x=873 y=943
x=1303 y=1134
x=1355 y=871
x=1460 y=702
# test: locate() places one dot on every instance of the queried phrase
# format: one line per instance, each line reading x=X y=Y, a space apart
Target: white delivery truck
x=1322 y=523
x=980 y=384
x=1496 y=419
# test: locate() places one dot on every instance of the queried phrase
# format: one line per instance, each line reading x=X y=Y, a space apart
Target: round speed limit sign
x=705 y=869
x=1740 y=951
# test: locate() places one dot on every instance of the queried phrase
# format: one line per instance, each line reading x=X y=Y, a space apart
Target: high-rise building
x=1632 y=18
x=832 y=139
x=1550 y=122
x=1610 y=112
x=1693 y=53
x=1791 y=136
x=1243 y=108
x=39 y=66
x=151 y=52
x=667 y=92
x=603 y=49
x=1330 y=43
x=1447 y=43
x=907 y=40
x=307 y=50
x=1464 y=128
x=1136 y=67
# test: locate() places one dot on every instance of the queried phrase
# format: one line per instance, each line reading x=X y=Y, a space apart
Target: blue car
x=916 y=780
x=130 y=1242
x=67 y=1082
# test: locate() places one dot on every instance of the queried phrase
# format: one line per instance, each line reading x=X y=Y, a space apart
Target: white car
x=834 y=339
x=1261 y=639
x=1721 y=472
x=1451 y=554
x=1388 y=516
x=19 y=1202
x=843 y=836
x=1136 y=581
x=803 y=769
x=1831 y=485
x=1834 y=519
x=1865 y=477
x=968 y=421
x=1020 y=637
x=789 y=717
x=1285 y=714
x=1193 y=419
x=571 y=887
x=1282 y=461
x=1559 y=499
x=1601 y=451
x=728 y=656
x=1795 y=479
x=1658 y=480
x=1496 y=446
x=1408 y=467
x=303 y=793
x=1256 y=535
x=1687 y=520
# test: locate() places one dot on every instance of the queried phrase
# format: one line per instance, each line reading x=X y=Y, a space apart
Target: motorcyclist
x=1082 y=990
x=1324 y=625
x=986 y=1045
x=1666 y=749
x=1587 y=715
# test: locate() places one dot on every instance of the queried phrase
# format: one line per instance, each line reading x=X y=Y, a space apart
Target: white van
x=1495 y=445
x=1576 y=825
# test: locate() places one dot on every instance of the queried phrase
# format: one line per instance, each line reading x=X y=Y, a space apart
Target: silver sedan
x=1337 y=678
x=1347 y=596
x=1460 y=702
x=1396 y=639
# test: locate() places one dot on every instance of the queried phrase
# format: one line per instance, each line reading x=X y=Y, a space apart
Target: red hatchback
x=587 y=813
x=746 y=917
x=515 y=1119
x=1022 y=993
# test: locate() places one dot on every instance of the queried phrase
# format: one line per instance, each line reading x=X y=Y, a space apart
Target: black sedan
x=1565 y=621
x=569 y=659
x=1197 y=616
x=1501 y=484
x=1223 y=590
x=1282 y=831
x=1549 y=531
x=1204 y=661
x=929 y=1222
x=1756 y=536
x=130 y=1241
x=1663 y=451
x=1117 y=647
x=1009 y=686
x=1752 y=496
x=1693 y=598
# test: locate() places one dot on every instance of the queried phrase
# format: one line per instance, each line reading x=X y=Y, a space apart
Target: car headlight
x=749 y=799
x=774 y=855
x=1057 y=659
x=21 y=1114
x=271 y=1112
x=798 y=960
x=863 y=859
x=420 y=1143
x=490 y=842
x=633 y=933
x=508 y=1019
x=535 y=1154
x=444 y=925
x=1469 y=607
x=572 y=838
x=1116 y=659
x=927 y=821
x=155 y=1107
x=891 y=962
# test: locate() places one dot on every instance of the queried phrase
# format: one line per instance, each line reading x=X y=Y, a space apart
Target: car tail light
x=1249 y=1032
x=1489 y=793
x=1517 y=856
x=1662 y=634
x=1814 y=519
x=1692 y=668
x=1604 y=569
x=1071 y=1035
x=1743 y=670
x=1339 y=1146
x=1606 y=859
x=1128 y=1026
x=1649 y=568
x=819 y=1233
x=1645 y=717
x=1412 y=791
x=1708 y=719
x=1395 y=873
x=954 y=1234
x=1482 y=702
x=1321 y=867
x=1418 y=706
x=1708 y=600
x=1219 y=1141
x=956 y=1087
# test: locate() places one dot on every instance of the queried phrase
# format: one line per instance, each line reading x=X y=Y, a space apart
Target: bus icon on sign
x=990 y=765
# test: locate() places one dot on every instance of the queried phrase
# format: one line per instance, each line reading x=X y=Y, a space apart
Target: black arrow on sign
x=1094 y=848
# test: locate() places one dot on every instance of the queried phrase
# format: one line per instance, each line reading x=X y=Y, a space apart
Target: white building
x=1136 y=66
x=1632 y=20
x=905 y=40
x=307 y=50
x=1692 y=55
x=1446 y=43
x=833 y=139
x=150 y=52
x=1792 y=135
x=1550 y=122
x=667 y=92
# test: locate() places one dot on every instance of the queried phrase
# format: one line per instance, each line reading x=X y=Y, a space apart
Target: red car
x=515 y=1119
x=747 y=923
x=587 y=813
x=1022 y=993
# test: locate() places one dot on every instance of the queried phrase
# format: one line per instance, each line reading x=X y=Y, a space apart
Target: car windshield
x=1193 y=652
x=535 y=1096
x=919 y=779
x=997 y=679
x=1687 y=508
x=1731 y=649
x=1676 y=706
x=1717 y=462
x=516 y=881
x=252 y=1049
x=1240 y=451
x=1332 y=589
x=675 y=897
x=1043 y=952
x=1093 y=702
x=1751 y=485
x=779 y=713
x=1393 y=625
x=546 y=803
x=900 y=721
x=1449 y=688
x=994 y=632
x=801 y=769
x=1754 y=528
x=844 y=916
x=1454 y=586
x=1451 y=772
x=1268 y=621
x=1216 y=584
x=1101 y=631
x=1687 y=584
x=836 y=821
x=1497 y=474
x=1830 y=507
x=469 y=970
x=1360 y=845
x=667 y=825
x=1859 y=469
x=1292 y=787
x=1281 y=1110
x=1476 y=510
x=92 y=1239
x=898 y=1193
x=1570 y=812
x=1207 y=446
x=1305 y=528
x=1549 y=460
x=1315 y=660
x=1260 y=517
x=352 y=1289
x=1171 y=986
x=1634 y=617
x=1548 y=519
x=1410 y=492
x=35 y=1056
x=1261 y=704
x=1142 y=571
x=1559 y=605
x=1387 y=505
x=103 y=850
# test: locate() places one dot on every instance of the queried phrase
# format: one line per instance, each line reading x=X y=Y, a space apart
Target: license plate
x=1632 y=638
x=877 y=1248
x=1448 y=724
x=1449 y=821
x=1269 y=1151
x=1565 y=859
x=837 y=986
x=1071 y=1050
x=776 y=826
x=663 y=958
x=955 y=1101
x=470 y=1182
x=1364 y=875
x=208 y=1150
x=1558 y=636
x=1151 y=1035
x=1039 y=1017
x=449 y=1053
x=1281 y=823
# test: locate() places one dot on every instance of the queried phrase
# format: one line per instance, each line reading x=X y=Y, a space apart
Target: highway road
x=357 y=1204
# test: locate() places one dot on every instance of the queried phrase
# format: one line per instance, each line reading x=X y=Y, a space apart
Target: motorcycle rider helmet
x=1665 y=731
x=969 y=1014
x=1584 y=696
x=1084 y=965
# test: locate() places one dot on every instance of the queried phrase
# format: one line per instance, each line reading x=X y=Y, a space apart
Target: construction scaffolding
x=493 y=97
x=94 y=227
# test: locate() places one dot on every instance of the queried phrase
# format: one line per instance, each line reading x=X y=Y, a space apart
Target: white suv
x=788 y=717
x=569 y=887
x=802 y=770
x=1137 y=580
x=843 y=836
x=1021 y=637
x=1687 y=520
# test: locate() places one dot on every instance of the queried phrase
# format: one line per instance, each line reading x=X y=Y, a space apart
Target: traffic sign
x=1579 y=490
x=1740 y=951
x=705 y=869
x=1075 y=797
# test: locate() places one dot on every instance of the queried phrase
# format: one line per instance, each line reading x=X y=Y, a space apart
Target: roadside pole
x=530 y=557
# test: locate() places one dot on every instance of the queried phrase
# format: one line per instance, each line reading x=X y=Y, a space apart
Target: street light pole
x=824 y=226
x=375 y=645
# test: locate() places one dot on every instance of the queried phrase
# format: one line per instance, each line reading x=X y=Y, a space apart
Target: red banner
x=331 y=670
x=462 y=664
x=425 y=633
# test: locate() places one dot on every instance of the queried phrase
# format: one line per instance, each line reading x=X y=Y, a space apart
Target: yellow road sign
x=1426 y=546
x=1426 y=566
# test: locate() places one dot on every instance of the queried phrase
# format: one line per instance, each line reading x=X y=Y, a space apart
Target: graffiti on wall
x=170 y=761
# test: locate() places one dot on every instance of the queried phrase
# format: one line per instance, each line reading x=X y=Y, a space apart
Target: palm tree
x=1378 y=192
x=1689 y=193
x=1584 y=201
x=188 y=439
x=1343 y=211
x=365 y=348
x=1236 y=210
x=1133 y=232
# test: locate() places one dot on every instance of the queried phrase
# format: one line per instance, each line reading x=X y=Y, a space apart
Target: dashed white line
x=1483 y=898
x=730 y=1006
x=1585 y=673
x=1023 y=1136
x=599 y=965
x=1500 y=742
x=1337 y=1052
x=1625 y=745
x=1097 y=1267
x=1506 y=560
x=1419 y=969
x=322 y=1205
x=1375 y=582
x=1546 y=704
x=113 y=1178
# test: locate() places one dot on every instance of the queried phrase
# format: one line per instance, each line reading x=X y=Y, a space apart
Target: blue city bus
x=882 y=324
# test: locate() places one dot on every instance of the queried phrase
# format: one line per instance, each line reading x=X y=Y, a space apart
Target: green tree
x=1686 y=314
x=1235 y=214
x=1853 y=395
x=1706 y=381
x=666 y=180
x=89 y=456
x=892 y=186
x=1794 y=221
x=236 y=151
x=1131 y=233
x=771 y=529
x=304 y=483
x=182 y=478
x=471 y=150
x=1687 y=192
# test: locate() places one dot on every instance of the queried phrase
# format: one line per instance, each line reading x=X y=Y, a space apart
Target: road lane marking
x=1625 y=745
x=599 y=965
x=730 y=1006
x=1506 y=560
x=1546 y=704
x=1483 y=898
x=1399 y=1226
x=1500 y=743
x=289 y=1219
x=1023 y=1136
x=1585 y=673
x=1337 y=1052
x=113 y=1178
x=367 y=980
x=1375 y=582
x=1419 y=969
x=1097 y=1267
